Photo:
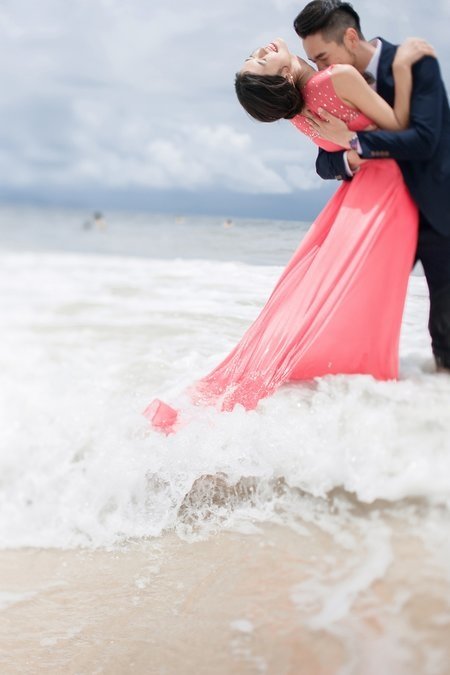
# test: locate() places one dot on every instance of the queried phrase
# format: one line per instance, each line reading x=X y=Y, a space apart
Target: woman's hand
x=412 y=50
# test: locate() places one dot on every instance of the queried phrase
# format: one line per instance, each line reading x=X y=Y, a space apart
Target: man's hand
x=355 y=161
x=330 y=128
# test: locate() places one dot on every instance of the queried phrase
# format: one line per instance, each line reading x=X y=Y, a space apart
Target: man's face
x=324 y=54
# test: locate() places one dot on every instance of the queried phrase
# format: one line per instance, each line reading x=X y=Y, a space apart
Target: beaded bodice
x=319 y=92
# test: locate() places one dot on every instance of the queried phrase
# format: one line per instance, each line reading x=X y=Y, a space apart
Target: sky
x=131 y=104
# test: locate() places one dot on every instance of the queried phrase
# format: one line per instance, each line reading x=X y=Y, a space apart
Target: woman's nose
x=260 y=52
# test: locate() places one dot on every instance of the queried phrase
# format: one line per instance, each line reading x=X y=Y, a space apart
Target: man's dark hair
x=268 y=98
x=329 y=17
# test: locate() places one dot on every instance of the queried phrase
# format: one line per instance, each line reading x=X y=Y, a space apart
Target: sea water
x=98 y=319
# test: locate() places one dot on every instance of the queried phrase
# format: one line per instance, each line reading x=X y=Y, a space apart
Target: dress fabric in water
x=337 y=307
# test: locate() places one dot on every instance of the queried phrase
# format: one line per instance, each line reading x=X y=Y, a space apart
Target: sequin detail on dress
x=337 y=307
x=318 y=93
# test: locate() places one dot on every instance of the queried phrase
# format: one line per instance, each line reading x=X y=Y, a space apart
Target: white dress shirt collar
x=372 y=66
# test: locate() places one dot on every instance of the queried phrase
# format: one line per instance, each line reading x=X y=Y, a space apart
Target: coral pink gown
x=337 y=307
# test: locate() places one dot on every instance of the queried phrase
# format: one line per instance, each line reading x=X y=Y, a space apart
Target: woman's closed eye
x=262 y=62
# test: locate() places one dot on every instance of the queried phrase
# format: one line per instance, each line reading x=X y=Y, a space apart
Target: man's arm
x=419 y=142
x=331 y=166
x=327 y=163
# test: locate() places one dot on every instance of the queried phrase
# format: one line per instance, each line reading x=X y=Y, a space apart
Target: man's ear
x=351 y=39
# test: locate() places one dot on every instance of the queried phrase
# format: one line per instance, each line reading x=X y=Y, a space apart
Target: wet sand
x=276 y=601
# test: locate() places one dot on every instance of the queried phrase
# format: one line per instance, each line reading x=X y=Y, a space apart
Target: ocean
x=98 y=319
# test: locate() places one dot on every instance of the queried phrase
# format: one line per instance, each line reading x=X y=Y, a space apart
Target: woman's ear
x=286 y=73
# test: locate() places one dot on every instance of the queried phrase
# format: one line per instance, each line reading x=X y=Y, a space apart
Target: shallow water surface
x=325 y=510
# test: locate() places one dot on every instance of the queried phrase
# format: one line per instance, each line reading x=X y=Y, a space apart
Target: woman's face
x=269 y=60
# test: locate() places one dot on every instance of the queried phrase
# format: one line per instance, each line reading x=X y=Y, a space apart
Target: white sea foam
x=11 y=599
x=242 y=625
x=88 y=340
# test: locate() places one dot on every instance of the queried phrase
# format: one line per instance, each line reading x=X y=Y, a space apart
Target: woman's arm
x=352 y=88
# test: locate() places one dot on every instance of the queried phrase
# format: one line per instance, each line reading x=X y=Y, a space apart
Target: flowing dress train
x=338 y=305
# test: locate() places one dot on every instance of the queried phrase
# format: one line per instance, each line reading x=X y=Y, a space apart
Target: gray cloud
x=108 y=94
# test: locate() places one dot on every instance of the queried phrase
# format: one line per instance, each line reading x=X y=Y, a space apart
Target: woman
x=338 y=305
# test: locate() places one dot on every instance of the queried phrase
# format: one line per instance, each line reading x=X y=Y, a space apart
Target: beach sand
x=369 y=597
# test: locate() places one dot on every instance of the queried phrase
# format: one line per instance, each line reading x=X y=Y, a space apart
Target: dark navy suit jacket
x=422 y=151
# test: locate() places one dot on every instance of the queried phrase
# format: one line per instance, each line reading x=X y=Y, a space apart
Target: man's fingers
x=326 y=117
x=313 y=125
x=310 y=115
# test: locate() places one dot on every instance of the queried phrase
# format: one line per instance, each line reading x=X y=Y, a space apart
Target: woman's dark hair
x=268 y=98
x=329 y=17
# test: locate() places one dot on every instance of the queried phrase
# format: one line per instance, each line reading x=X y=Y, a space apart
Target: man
x=331 y=33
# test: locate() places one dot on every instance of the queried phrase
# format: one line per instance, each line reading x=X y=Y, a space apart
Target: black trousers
x=433 y=251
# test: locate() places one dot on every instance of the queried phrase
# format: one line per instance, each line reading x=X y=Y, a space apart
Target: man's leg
x=433 y=251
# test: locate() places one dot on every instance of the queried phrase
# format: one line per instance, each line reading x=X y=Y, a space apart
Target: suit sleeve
x=420 y=140
x=331 y=166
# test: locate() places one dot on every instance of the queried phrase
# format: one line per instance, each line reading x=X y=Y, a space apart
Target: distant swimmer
x=228 y=223
x=99 y=221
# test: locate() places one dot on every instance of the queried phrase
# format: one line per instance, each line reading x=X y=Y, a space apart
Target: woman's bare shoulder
x=346 y=80
x=344 y=71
